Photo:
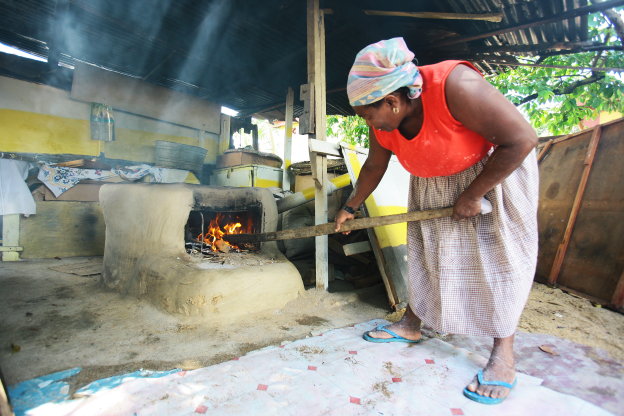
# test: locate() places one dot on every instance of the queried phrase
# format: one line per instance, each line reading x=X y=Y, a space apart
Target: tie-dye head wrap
x=380 y=69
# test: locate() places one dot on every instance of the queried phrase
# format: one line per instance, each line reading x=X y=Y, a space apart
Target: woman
x=461 y=140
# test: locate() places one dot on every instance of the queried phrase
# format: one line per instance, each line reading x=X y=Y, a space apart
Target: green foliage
x=556 y=100
x=349 y=129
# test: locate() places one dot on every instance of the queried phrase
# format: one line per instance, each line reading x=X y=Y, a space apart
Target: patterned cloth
x=382 y=68
x=60 y=179
x=473 y=276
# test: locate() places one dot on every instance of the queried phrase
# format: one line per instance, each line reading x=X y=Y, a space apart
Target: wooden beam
x=288 y=119
x=10 y=236
x=544 y=149
x=576 y=205
x=580 y=11
x=11 y=248
x=356 y=248
x=542 y=47
x=578 y=68
x=317 y=104
x=488 y=17
x=324 y=148
x=382 y=266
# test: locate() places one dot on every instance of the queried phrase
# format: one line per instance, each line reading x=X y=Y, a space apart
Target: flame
x=213 y=236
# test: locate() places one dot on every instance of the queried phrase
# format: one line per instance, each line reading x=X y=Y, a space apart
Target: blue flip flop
x=487 y=400
x=395 y=337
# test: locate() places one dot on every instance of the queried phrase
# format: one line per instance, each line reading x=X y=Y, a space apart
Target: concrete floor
x=54 y=321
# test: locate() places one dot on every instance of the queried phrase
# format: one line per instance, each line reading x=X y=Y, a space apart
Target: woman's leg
x=500 y=367
x=408 y=327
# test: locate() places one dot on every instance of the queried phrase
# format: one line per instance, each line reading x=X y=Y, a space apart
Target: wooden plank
x=544 y=149
x=10 y=236
x=320 y=217
x=595 y=257
x=92 y=84
x=560 y=174
x=351 y=225
x=226 y=135
x=356 y=248
x=382 y=265
x=576 y=206
x=306 y=119
x=63 y=229
x=323 y=147
x=316 y=100
x=579 y=11
x=288 y=126
x=488 y=17
x=13 y=248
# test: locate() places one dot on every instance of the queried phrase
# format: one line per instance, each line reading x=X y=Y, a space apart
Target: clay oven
x=153 y=249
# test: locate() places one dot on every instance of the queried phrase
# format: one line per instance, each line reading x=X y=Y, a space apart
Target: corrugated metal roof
x=245 y=54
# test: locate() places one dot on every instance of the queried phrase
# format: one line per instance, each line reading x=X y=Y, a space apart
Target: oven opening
x=206 y=227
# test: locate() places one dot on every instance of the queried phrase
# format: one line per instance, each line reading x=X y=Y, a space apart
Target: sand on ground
x=53 y=321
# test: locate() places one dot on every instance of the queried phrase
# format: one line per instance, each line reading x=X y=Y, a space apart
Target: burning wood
x=211 y=240
x=222 y=246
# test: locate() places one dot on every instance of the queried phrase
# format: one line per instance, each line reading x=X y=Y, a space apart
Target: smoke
x=207 y=47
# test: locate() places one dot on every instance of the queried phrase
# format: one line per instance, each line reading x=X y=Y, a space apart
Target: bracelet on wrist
x=348 y=209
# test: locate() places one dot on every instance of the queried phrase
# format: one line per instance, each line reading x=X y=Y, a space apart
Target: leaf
x=548 y=349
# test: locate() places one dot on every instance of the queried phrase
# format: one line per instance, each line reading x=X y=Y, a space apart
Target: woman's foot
x=408 y=327
x=500 y=367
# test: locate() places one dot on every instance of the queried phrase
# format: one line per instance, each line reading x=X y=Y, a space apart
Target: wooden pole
x=576 y=206
x=488 y=17
x=288 y=118
x=542 y=152
x=316 y=81
x=329 y=227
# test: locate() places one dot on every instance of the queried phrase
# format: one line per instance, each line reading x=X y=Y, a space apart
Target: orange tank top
x=443 y=146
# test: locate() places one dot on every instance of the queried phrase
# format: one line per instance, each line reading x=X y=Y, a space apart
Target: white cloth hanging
x=15 y=197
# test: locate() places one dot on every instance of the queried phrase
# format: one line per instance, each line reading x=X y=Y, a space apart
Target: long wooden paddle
x=351 y=225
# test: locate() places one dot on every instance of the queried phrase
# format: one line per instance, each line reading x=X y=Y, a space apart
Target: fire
x=213 y=236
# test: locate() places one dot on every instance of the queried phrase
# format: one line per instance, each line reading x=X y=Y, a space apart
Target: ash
x=209 y=259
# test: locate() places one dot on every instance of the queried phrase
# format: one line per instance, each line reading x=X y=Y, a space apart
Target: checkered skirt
x=473 y=276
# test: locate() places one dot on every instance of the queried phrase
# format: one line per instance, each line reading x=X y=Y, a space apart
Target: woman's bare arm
x=368 y=179
x=481 y=108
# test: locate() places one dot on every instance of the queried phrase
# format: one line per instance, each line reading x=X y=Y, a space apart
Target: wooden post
x=316 y=80
x=10 y=237
x=226 y=135
x=576 y=205
x=288 y=118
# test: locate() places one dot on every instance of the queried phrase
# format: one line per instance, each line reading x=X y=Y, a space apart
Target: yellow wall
x=42 y=119
x=389 y=235
x=26 y=132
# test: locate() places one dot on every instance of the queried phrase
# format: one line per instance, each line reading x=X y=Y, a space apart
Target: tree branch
x=567 y=90
x=617 y=22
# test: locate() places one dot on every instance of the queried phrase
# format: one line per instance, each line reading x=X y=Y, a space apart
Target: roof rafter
x=536 y=22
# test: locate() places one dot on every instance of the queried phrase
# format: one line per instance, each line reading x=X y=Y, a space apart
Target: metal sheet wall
x=593 y=263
